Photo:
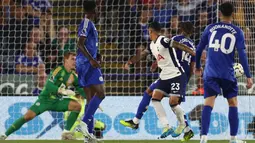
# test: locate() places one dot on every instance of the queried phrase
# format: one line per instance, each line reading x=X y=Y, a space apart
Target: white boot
x=203 y=139
x=3 y=137
x=236 y=141
x=67 y=135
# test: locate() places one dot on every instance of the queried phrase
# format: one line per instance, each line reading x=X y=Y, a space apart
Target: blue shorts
x=173 y=87
x=153 y=85
x=87 y=75
x=213 y=86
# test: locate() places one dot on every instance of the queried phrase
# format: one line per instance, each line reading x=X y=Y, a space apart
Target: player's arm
x=201 y=46
x=83 y=33
x=243 y=58
x=136 y=59
x=168 y=43
x=182 y=47
x=83 y=48
x=51 y=86
x=26 y=69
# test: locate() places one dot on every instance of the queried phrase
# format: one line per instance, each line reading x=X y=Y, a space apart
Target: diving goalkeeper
x=58 y=84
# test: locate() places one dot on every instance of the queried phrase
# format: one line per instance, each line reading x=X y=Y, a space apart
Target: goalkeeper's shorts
x=42 y=105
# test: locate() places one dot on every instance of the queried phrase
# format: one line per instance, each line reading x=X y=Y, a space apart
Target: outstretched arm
x=182 y=47
x=136 y=59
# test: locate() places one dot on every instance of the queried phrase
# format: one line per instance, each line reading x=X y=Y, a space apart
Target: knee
x=232 y=102
x=174 y=101
x=149 y=92
x=78 y=107
x=101 y=94
x=29 y=117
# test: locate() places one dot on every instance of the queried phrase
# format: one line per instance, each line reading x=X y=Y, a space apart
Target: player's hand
x=249 y=83
x=66 y=92
x=199 y=71
x=127 y=65
x=100 y=58
x=154 y=66
x=94 y=63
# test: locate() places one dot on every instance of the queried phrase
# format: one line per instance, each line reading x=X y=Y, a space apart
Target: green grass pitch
x=115 y=141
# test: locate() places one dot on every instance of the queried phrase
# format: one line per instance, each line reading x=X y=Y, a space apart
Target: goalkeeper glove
x=63 y=91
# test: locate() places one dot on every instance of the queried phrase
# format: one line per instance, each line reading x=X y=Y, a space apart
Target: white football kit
x=172 y=78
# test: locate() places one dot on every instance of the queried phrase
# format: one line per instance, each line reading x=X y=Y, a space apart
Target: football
x=238 y=69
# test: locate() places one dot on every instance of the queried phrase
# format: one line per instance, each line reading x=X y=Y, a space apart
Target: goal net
x=35 y=34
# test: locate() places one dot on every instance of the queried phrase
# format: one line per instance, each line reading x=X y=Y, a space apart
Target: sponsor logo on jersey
x=160 y=57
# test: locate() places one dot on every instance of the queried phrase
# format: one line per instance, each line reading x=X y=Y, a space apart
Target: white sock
x=233 y=138
x=160 y=111
x=66 y=130
x=204 y=137
x=179 y=114
x=136 y=120
x=187 y=129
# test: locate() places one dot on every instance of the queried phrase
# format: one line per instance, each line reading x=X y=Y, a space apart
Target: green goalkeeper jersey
x=60 y=77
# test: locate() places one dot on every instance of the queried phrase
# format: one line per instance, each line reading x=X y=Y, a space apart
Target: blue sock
x=90 y=124
x=233 y=120
x=186 y=121
x=91 y=109
x=143 y=106
x=206 y=117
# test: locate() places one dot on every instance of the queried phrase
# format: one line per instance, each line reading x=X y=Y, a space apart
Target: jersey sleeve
x=50 y=85
x=165 y=42
x=84 y=27
x=201 y=46
x=240 y=45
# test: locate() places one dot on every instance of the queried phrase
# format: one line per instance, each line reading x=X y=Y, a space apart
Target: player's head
x=154 y=30
x=187 y=28
x=227 y=9
x=89 y=6
x=69 y=60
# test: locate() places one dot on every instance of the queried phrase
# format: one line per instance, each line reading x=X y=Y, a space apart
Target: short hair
x=187 y=27
x=67 y=54
x=155 y=26
x=227 y=8
x=89 y=5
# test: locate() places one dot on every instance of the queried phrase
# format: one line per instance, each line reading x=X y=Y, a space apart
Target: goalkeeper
x=59 y=83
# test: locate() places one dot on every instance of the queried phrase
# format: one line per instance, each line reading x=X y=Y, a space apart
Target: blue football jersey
x=185 y=58
x=222 y=39
x=28 y=61
x=88 y=30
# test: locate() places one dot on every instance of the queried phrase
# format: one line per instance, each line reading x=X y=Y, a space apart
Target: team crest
x=37 y=104
x=101 y=78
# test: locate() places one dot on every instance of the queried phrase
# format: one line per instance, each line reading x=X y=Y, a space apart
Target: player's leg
x=87 y=76
x=212 y=89
x=142 y=108
x=176 y=108
x=19 y=123
x=67 y=105
x=99 y=95
x=161 y=113
x=230 y=91
x=161 y=90
x=36 y=109
x=89 y=97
